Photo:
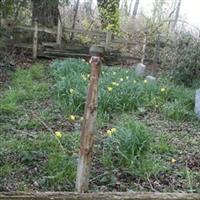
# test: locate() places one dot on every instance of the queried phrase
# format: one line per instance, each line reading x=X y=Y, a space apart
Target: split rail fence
x=108 y=39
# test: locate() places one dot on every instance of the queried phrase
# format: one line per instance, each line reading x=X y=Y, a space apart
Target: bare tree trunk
x=74 y=19
x=135 y=10
x=176 y=15
x=125 y=7
x=171 y=15
x=46 y=12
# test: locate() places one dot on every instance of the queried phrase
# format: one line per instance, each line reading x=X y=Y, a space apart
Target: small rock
x=103 y=189
x=140 y=69
x=151 y=79
x=35 y=184
x=197 y=103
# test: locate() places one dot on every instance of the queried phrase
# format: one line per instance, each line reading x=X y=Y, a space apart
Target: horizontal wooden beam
x=40 y=29
x=85 y=32
x=98 y=196
x=68 y=30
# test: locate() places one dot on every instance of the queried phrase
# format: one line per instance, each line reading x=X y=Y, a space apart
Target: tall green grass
x=120 y=90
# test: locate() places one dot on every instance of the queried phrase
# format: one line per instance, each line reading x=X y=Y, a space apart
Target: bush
x=186 y=68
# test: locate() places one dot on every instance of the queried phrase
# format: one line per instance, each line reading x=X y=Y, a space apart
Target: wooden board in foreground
x=98 y=196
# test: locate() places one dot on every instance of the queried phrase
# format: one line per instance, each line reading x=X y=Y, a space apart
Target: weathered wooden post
x=108 y=39
x=88 y=126
x=157 y=49
x=59 y=32
x=35 y=39
x=144 y=47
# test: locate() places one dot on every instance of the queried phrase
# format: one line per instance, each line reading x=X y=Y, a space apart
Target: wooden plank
x=23 y=46
x=70 y=49
x=97 y=196
x=64 y=54
x=40 y=29
x=124 y=42
x=81 y=31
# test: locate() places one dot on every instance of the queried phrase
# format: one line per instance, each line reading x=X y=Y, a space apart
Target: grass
x=142 y=127
x=26 y=147
x=119 y=91
x=130 y=149
x=41 y=159
x=25 y=87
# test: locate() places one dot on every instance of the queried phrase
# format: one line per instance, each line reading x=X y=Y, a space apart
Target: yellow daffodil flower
x=173 y=160
x=113 y=130
x=115 y=84
x=162 y=89
x=109 y=132
x=109 y=89
x=71 y=91
x=58 y=134
x=84 y=77
x=145 y=81
x=72 y=117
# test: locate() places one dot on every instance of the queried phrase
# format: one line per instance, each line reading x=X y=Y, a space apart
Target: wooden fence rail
x=108 y=39
x=40 y=29
x=106 y=36
x=98 y=196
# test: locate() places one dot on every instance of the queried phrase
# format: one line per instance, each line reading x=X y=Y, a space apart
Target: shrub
x=186 y=67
